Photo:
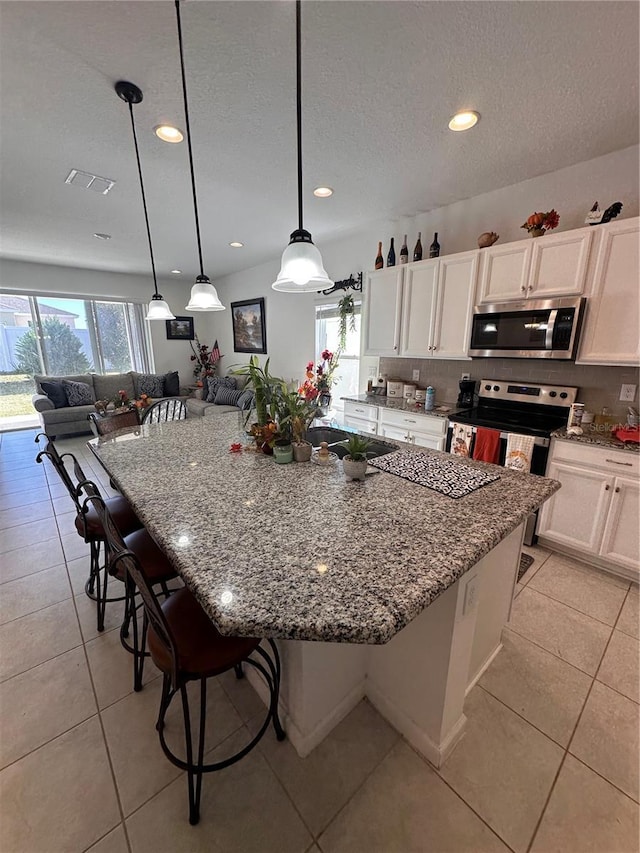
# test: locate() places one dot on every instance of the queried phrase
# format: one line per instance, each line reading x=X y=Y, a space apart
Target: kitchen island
x=381 y=588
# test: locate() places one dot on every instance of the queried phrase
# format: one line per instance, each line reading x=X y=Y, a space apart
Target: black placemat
x=450 y=477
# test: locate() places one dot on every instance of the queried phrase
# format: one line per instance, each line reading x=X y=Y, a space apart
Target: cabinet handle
x=409 y=421
x=522 y=288
x=617 y=489
x=615 y=462
x=607 y=487
x=435 y=348
x=395 y=347
x=359 y=410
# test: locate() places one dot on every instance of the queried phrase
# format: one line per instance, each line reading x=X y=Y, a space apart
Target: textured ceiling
x=556 y=83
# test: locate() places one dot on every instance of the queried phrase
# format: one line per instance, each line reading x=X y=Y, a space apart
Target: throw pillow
x=227 y=396
x=209 y=393
x=55 y=392
x=78 y=393
x=150 y=384
x=245 y=399
x=172 y=384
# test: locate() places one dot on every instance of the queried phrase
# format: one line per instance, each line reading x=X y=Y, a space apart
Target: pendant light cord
x=299 y=105
x=144 y=198
x=188 y=127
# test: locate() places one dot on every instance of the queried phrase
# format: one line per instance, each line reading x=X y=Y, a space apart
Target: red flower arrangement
x=319 y=378
x=542 y=222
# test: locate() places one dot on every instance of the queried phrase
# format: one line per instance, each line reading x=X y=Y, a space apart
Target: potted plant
x=260 y=420
x=318 y=381
x=297 y=412
x=354 y=463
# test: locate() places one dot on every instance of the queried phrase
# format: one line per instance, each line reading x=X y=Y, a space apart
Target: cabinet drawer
x=415 y=422
x=360 y=410
x=618 y=462
x=370 y=427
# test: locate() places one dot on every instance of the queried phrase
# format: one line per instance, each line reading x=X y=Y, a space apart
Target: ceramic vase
x=537 y=232
x=354 y=470
x=282 y=452
x=302 y=451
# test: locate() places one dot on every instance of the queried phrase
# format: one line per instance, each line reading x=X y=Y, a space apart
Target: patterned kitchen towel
x=461 y=439
x=519 y=452
x=486 y=447
x=450 y=477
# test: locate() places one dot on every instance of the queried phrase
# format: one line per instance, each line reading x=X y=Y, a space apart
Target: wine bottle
x=417 y=252
x=379 y=258
x=391 y=257
x=434 y=248
x=404 y=252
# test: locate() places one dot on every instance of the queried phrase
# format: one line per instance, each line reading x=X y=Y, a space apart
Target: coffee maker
x=466 y=395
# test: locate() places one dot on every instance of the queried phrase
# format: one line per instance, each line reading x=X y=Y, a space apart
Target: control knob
x=496 y=387
x=563 y=395
x=552 y=394
x=487 y=387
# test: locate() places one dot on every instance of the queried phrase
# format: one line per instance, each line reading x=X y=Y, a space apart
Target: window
x=327 y=337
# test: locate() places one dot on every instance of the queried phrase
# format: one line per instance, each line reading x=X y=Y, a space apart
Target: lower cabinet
x=596 y=513
x=362 y=426
x=419 y=429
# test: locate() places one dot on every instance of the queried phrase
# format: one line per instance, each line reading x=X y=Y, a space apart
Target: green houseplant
x=354 y=463
x=297 y=412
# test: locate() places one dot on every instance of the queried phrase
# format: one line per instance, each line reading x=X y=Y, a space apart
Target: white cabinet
x=596 y=514
x=457 y=276
x=419 y=309
x=361 y=416
x=537 y=268
x=382 y=306
x=611 y=332
x=418 y=429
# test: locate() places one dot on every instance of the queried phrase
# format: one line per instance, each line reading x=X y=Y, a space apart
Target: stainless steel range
x=521 y=408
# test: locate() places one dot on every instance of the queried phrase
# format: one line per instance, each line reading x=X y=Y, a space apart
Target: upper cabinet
x=552 y=265
x=457 y=277
x=611 y=333
x=419 y=308
x=382 y=306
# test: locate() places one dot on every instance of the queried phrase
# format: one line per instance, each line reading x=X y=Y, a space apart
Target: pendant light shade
x=204 y=296
x=301 y=269
x=158 y=308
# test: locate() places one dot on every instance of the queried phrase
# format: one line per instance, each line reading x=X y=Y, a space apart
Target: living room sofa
x=206 y=405
x=69 y=420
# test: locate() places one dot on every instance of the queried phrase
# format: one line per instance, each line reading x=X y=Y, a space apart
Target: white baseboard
x=485 y=666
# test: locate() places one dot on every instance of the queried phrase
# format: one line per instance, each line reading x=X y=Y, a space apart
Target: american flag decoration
x=215 y=354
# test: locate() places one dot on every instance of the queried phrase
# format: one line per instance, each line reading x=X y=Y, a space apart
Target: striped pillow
x=245 y=400
x=227 y=396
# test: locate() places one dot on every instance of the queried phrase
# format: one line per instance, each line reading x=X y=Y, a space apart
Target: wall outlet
x=628 y=393
x=464 y=376
x=470 y=595
x=416 y=376
x=373 y=372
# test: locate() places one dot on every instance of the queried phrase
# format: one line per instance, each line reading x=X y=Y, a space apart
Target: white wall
x=571 y=191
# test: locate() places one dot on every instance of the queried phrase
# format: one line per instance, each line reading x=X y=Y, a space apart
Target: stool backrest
x=171 y=409
x=58 y=461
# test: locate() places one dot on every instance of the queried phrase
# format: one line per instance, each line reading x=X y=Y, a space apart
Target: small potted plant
x=354 y=463
x=538 y=223
x=299 y=412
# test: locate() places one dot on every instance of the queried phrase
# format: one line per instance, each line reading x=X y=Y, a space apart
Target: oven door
x=533 y=329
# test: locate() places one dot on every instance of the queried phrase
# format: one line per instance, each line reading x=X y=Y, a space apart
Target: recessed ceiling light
x=464 y=120
x=168 y=133
x=176 y=272
x=100 y=236
x=323 y=192
x=236 y=244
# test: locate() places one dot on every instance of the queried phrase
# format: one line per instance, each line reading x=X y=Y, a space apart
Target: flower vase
x=324 y=404
x=537 y=232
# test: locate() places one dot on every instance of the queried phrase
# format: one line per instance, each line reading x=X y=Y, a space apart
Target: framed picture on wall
x=180 y=329
x=249 y=330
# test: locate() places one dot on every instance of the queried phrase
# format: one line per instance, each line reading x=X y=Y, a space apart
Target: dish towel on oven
x=519 y=452
x=486 y=447
x=461 y=439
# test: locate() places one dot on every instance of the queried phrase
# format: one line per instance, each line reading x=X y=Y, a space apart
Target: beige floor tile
x=32 y=496
x=112 y=668
x=133 y=739
x=33 y=592
x=21 y=475
x=620 y=667
x=629 y=617
x=25 y=514
x=41 y=793
x=12 y=486
x=67 y=523
x=404 y=807
x=587 y=814
x=38 y=637
x=113 y=842
x=74 y=546
x=585 y=589
x=543 y=689
x=572 y=636
x=31 y=559
x=540 y=556
x=242 y=695
x=19 y=458
x=503 y=768
x=58 y=492
x=78 y=570
x=244 y=809
x=27 y=534
x=607 y=738
x=43 y=702
x=322 y=783
x=608 y=577
x=88 y=619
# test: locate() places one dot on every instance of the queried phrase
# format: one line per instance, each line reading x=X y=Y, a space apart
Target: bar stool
x=186 y=646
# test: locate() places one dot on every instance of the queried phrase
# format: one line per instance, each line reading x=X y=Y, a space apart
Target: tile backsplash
x=598 y=386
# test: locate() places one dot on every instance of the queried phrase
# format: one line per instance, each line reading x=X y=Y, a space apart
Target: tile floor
x=549 y=761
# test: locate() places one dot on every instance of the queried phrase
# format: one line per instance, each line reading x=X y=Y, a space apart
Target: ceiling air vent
x=87 y=181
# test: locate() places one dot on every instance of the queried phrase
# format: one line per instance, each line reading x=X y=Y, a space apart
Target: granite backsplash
x=598 y=386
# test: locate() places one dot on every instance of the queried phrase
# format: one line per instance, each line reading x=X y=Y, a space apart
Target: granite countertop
x=402 y=405
x=593 y=437
x=295 y=551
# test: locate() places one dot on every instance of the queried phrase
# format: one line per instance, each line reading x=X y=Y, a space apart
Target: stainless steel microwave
x=533 y=328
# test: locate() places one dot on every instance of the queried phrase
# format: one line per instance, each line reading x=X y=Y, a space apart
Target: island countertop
x=295 y=551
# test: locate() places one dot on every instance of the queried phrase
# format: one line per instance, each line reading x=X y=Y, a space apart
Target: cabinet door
x=621 y=540
x=559 y=264
x=418 y=309
x=383 y=301
x=370 y=427
x=456 y=293
x=504 y=272
x=612 y=329
x=423 y=440
x=575 y=515
x=394 y=433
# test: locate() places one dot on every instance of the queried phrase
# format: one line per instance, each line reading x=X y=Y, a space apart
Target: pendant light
x=158 y=308
x=204 y=296
x=301 y=268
